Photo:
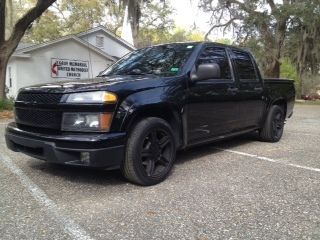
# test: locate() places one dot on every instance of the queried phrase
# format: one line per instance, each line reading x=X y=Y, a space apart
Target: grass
x=6 y=105
x=308 y=102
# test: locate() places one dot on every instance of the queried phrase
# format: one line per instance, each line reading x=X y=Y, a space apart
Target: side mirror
x=206 y=71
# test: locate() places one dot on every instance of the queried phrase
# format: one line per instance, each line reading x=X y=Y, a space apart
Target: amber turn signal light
x=109 y=97
x=105 y=121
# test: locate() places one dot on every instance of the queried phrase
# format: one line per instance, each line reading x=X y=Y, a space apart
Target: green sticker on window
x=174 y=69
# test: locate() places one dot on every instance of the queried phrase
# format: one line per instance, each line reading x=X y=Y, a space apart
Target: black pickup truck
x=154 y=101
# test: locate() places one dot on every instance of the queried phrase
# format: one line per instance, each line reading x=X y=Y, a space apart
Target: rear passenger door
x=212 y=103
x=251 y=94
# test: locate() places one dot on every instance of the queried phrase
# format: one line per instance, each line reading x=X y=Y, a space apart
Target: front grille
x=38 y=118
x=45 y=98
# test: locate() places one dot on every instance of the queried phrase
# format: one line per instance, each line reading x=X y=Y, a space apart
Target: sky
x=187 y=14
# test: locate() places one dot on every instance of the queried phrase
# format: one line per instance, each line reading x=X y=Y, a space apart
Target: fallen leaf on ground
x=6 y=114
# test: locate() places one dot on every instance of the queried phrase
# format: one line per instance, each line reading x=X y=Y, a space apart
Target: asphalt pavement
x=236 y=189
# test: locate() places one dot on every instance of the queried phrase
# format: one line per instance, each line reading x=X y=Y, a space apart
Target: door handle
x=233 y=89
x=258 y=89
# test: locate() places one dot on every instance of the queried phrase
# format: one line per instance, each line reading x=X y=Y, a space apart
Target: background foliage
x=73 y=16
x=283 y=35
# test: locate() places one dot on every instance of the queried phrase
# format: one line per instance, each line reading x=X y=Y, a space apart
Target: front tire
x=150 y=152
x=273 y=128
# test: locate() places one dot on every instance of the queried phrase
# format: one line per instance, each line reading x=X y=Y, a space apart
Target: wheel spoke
x=277 y=124
x=154 y=138
x=163 y=161
x=147 y=153
x=274 y=127
x=150 y=167
x=164 y=141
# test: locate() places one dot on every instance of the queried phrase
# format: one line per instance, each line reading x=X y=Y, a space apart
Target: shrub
x=288 y=70
x=6 y=105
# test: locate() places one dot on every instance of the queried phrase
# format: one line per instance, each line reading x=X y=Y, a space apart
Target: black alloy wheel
x=156 y=152
x=277 y=124
x=150 y=152
x=273 y=127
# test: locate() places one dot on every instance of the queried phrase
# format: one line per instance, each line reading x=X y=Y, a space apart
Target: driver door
x=212 y=103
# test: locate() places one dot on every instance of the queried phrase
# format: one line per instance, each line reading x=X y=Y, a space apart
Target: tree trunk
x=135 y=31
x=134 y=14
x=3 y=68
x=273 y=70
x=2 y=21
x=300 y=90
x=3 y=49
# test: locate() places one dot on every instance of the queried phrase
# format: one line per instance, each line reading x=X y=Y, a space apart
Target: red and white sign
x=65 y=68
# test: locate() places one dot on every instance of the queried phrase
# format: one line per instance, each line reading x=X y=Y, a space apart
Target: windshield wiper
x=136 y=73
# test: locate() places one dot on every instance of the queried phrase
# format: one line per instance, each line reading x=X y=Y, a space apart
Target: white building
x=79 y=56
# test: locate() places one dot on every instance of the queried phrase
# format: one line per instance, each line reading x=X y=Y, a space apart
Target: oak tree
x=266 y=20
x=9 y=43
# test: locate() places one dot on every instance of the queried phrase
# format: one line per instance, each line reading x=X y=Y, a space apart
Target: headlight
x=92 y=97
x=86 y=122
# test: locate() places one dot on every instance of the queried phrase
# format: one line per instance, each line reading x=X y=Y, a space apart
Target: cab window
x=244 y=66
x=216 y=55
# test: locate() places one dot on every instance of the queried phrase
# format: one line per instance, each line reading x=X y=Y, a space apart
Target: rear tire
x=273 y=127
x=150 y=152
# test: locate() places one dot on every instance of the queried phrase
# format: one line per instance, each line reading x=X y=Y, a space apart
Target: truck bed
x=281 y=88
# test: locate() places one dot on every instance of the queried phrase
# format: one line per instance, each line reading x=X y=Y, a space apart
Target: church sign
x=65 y=68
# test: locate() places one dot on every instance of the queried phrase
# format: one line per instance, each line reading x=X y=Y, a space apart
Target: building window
x=99 y=41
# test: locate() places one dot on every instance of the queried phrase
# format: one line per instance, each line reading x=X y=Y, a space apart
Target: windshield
x=164 y=60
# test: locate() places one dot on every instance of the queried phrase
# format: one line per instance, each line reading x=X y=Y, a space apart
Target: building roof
x=22 y=45
x=26 y=50
x=108 y=33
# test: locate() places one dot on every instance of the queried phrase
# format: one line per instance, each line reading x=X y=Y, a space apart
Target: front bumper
x=95 y=150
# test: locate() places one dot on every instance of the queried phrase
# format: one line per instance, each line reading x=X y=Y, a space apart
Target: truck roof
x=204 y=42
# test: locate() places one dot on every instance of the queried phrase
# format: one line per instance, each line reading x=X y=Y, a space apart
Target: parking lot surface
x=236 y=189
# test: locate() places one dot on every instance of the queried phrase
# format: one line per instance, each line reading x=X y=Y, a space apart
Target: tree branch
x=241 y=5
x=272 y=5
x=225 y=25
x=56 y=6
x=244 y=7
x=23 y=23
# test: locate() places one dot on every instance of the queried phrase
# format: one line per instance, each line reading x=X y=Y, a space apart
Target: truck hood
x=117 y=84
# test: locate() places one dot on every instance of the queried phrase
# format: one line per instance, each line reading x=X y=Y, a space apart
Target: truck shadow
x=82 y=175
x=197 y=152
x=94 y=176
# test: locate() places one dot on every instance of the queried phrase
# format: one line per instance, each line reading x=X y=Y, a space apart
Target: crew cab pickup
x=154 y=101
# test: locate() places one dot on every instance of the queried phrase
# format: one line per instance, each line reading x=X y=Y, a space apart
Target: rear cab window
x=244 y=66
